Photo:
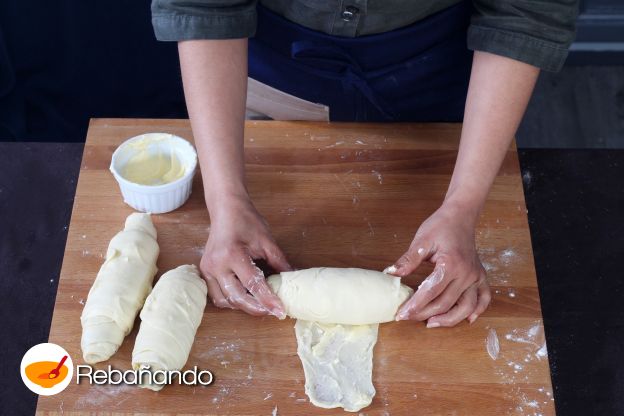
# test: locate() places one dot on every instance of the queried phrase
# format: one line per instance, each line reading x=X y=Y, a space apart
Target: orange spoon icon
x=54 y=373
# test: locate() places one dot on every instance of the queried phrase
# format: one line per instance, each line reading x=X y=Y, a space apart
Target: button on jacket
x=538 y=33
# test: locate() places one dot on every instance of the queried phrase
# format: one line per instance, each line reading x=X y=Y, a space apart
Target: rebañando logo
x=47 y=369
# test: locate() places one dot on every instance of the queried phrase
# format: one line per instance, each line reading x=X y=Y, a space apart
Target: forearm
x=498 y=95
x=214 y=74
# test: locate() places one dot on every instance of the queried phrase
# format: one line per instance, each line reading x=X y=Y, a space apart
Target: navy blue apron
x=416 y=73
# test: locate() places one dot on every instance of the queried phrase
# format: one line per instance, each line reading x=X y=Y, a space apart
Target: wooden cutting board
x=335 y=194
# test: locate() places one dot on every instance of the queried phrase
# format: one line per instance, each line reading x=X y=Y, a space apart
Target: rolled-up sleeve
x=538 y=33
x=175 y=20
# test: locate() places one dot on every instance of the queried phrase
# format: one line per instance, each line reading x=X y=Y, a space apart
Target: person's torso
x=355 y=17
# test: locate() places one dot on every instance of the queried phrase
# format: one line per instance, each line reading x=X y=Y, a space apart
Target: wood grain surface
x=335 y=194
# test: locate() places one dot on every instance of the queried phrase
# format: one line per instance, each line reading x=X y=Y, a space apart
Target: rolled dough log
x=338 y=312
x=169 y=321
x=338 y=363
x=340 y=296
x=120 y=288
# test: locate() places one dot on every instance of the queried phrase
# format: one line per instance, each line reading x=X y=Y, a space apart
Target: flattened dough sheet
x=338 y=363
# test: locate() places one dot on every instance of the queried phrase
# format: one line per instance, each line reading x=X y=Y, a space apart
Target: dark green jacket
x=536 y=32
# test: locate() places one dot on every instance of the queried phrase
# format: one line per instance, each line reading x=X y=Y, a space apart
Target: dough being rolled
x=120 y=288
x=338 y=313
x=340 y=296
x=169 y=321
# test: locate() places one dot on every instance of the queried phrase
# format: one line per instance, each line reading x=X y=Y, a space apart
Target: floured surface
x=306 y=195
x=338 y=363
x=492 y=345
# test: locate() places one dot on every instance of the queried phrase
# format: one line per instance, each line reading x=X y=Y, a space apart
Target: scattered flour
x=532 y=332
x=542 y=352
x=507 y=256
x=225 y=351
x=492 y=345
x=329 y=146
x=110 y=395
x=223 y=392
x=378 y=176
x=496 y=264
x=519 y=368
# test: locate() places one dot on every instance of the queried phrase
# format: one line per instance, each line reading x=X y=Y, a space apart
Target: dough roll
x=340 y=296
x=169 y=321
x=120 y=288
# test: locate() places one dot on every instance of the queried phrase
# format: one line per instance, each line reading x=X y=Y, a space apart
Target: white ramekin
x=156 y=199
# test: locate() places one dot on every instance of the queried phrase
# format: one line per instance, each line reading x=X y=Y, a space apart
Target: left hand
x=457 y=288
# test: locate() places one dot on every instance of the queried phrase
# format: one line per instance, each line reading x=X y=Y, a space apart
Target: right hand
x=238 y=235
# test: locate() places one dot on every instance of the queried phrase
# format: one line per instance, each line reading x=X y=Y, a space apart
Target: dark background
x=63 y=62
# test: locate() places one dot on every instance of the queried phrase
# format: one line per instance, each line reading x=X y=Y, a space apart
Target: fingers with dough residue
x=254 y=281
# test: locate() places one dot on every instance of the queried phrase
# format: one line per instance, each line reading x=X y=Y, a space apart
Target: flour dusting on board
x=492 y=345
x=497 y=263
x=235 y=358
x=106 y=395
x=519 y=353
x=330 y=146
x=289 y=211
x=378 y=176
x=222 y=393
x=224 y=351
x=525 y=336
x=542 y=352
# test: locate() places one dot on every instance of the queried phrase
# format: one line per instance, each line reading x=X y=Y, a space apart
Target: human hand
x=457 y=288
x=238 y=235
